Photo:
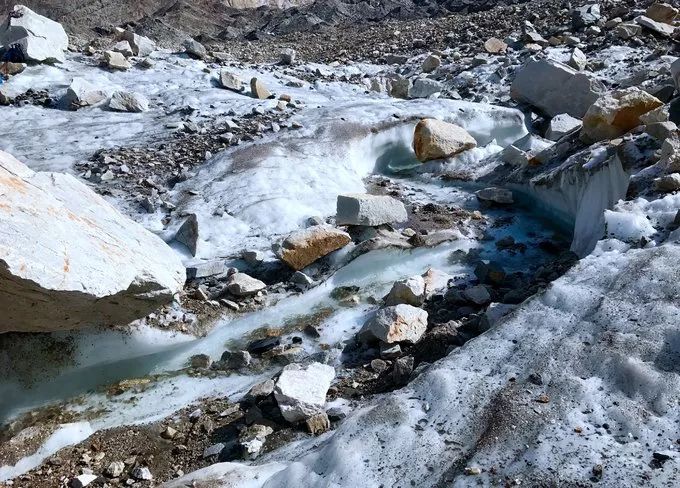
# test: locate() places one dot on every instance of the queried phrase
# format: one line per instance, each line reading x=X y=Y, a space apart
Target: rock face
x=301 y=390
x=302 y=248
x=42 y=40
x=370 y=210
x=128 y=102
x=555 y=88
x=81 y=93
x=616 y=113
x=68 y=259
x=400 y=323
x=435 y=139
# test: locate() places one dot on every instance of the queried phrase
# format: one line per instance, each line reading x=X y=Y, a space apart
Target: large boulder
x=303 y=247
x=301 y=391
x=410 y=291
x=41 y=40
x=616 y=113
x=399 y=323
x=555 y=88
x=82 y=93
x=141 y=46
x=116 y=61
x=435 y=139
x=370 y=210
x=661 y=12
x=69 y=259
x=122 y=101
x=561 y=125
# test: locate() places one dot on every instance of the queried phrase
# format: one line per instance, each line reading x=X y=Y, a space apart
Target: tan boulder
x=259 y=90
x=303 y=247
x=495 y=46
x=435 y=139
x=616 y=113
x=661 y=12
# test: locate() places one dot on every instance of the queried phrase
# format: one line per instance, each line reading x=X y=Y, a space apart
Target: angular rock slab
x=555 y=88
x=68 y=259
x=301 y=390
x=370 y=210
x=302 y=248
x=42 y=40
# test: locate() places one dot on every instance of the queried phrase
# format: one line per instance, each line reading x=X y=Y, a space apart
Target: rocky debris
x=195 y=49
x=124 y=48
x=301 y=390
x=230 y=81
x=369 y=210
x=410 y=291
x=242 y=285
x=71 y=260
x=141 y=46
x=436 y=139
x=561 y=125
x=431 y=63
x=495 y=195
x=81 y=93
x=398 y=323
x=303 y=247
x=494 y=45
x=555 y=88
x=41 y=40
x=259 y=90
x=616 y=113
x=288 y=56
x=116 y=61
x=122 y=101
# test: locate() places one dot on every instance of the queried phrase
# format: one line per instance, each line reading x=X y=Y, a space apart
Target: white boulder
x=128 y=102
x=399 y=323
x=370 y=210
x=301 y=391
x=410 y=291
x=42 y=40
x=116 y=61
x=69 y=259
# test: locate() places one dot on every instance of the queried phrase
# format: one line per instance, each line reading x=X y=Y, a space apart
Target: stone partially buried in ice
x=495 y=195
x=301 y=390
x=303 y=247
x=436 y=139
x=369 y=210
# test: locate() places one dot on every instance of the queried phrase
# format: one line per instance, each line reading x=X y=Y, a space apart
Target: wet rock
x=300 y=391
x=236 y=359
x=116 y=61
x=71 y=259
x=81 y=93
x=491 y=273
x=230 y=81
x=200 y=361
x=288 y=56
x=431 y=63
x=124 y=48
x=561 y=125
x=141 y=46
x=616 y=113
x=318 y=424
x=259 y=90
x=479 y=295
x=195 y=49
x=495 y=46
x=410 y=291
x=187 y=234
x=584 y=16
x=398 y=323
x=263 y=345
x=128 y=102
x=555 y=88
x=11 y=69
x=435 y=139
x=242 y=285
x=41 y=40
x=495 y=195
x=303 y=247
x=369 y=210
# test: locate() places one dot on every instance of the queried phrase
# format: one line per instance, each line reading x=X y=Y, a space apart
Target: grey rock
x=425 y=87
x=128 y=102
x=561 y=125
x=369 y=210
x=187 y=234
x=242 y=285
x=195 y=49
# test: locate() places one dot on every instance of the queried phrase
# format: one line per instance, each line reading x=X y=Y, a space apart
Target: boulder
x=561 y=125
x=195 y=49
x=124 y=48
x=555 y=88
x=478 y=294
x=128 y=102
x=627 y=30
x=259 y=90
x=410 y=291
x=499 y=196
x=41 y=40
x=230 y=81
x=303 y=247
x=300 y=391
x=585 y=16
x=431 y=63
x=243 y=285
x=69 y=259
x=288 y=56
x=187 y=234
x=116 y=61
x=369 y=210
x=578 y=60
x=495 y=46
x=616 y=113
x=523 y=151
x=423 y=88
x=675 y=73
x=662 y=28
x=435 y=139
x=398 y=323
x=668 y=183
x=141 y=46
x=661 y=12
x=81 y=93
